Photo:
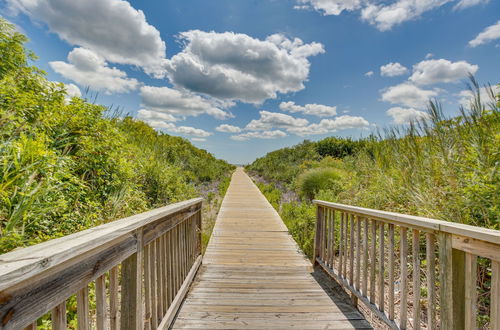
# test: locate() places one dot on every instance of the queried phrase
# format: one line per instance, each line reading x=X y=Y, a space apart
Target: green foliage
x=339 y=147
x=312 y=181
x=65 y=165
x=272 y=194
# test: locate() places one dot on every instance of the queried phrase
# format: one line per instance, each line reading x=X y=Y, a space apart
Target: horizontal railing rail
x=142 y=265
x=367 y=252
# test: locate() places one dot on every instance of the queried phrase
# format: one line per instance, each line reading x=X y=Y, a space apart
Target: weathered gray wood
x=446 y=280
x=416 y=278
x=317 y=236
x=495 y=295
x=82 y=308
x=458 y=294
x=421 y=223
x=431 y=281
x=341 y=245
x=477 y=247
x=358 y=254
x=131 y=302
x=351 y=250
x=403 y=312
x=101 y=308
x=59 y=317
x=26 y=263
x=32 y=326
x=391 y=256
x=113 y=299
x=381 y=270
x=158 y=292
x=470 y=291
x=373 y=261
x=365 y=258
x=181 y=293
x=332 y=261
x=32 y=299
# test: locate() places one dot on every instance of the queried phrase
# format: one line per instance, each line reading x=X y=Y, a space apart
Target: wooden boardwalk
x=255 y=277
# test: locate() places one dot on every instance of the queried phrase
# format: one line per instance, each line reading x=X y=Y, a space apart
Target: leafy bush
x=312 y=181
x=67 y=165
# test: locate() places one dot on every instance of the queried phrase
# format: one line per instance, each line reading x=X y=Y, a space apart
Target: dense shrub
x=312 y=181
x=67 y=165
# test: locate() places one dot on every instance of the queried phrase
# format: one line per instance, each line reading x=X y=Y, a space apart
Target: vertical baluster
x=470 y=290
x=100 y=297
x=404 y=279
x=163 y=275
x=351 y=251
x=177 y=259
x=147 y=287
x=346 y=245
x=358 y=253
x=332 y=261
x=341 y=245
x=317 y=236
x=153 y=284
x=365 y=258
x=323 y=232
x=495 y=295
x=329 y=235
x=381 y=276
x=59 y=316
x=390 y=256
x=431 y=281
x=113 y=298
x=32 y=326
x=82 y=308
x=170 y=279
x=416 y=279
x=373 y=261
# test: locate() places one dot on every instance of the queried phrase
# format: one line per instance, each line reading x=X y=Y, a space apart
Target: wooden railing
x=367 y=252
x=142 y=265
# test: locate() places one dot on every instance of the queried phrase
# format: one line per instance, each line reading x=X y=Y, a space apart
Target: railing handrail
x=25 y=263
x=480 y=233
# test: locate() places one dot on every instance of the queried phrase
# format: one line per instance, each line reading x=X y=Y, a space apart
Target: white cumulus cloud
x=369 y=74
x=234 y=66
x=198 y=139
x=309 y=109
x=465 y=97
x=149 y=115
x=259 y=135
x=330 y=125
x=111 y=28
x=330 y=7
x=178 y=103
x=490 y=33
x=392 y=70
x=225 y=128
x=171 y=127
x=441 y=71
x=406 y=115
x=269 y=120
x=87 y=68
x=408 y=95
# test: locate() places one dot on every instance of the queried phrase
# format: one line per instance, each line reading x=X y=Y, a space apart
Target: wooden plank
x=391 y=256
x=317 y=236
x=32 y=299
x=131 y=299
x=159 y=274
x=358 y=254
x=153 y=282
x=431 y=281
x=351 y=250
x=59 y=317
x=82 y=308
x=113 y=299
x=332 y=261
x=403 y=307
x=341 y=244
x=329 y=237
x=381 y=270
x=147 y=288
x=470 y=291
x=373 y=261
x=101 y=308
x=365 y=258
x=32 y=326
x=416 y=278
x=424 y=224
x=476 y=247
x=458 y=294
x=446 y=281
x=26 y=263
x=176 y=303
x=495 y=295
x=346 y=246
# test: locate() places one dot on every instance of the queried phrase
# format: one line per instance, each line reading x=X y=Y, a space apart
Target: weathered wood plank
x=113 y=298
x=101 y=308
x=431 y=281
x=82 y=308
x=403 y=307
x=58 y=314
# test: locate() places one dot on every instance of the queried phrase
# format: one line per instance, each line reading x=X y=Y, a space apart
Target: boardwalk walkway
x=254 y=276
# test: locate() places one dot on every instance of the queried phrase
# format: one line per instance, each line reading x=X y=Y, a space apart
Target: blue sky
x=242 y=78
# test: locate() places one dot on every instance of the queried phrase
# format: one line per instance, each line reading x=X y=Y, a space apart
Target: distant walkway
x=254 y=276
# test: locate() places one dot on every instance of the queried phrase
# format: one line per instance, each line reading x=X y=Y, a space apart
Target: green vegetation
x=67 y=164
x=444 y=168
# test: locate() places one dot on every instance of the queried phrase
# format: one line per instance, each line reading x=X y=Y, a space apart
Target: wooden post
x=317 y=237
x=446 y=279
x=458 y=289
x=131 y=302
